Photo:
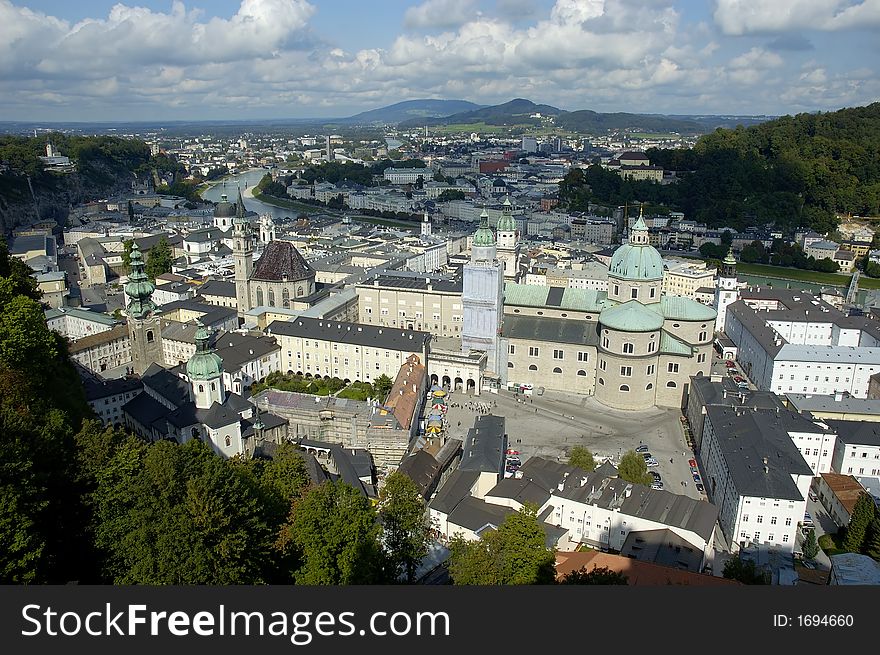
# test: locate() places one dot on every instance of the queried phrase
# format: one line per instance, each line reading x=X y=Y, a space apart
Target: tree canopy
x=582 y=458
x=599 y=575
x=159 y=259
x=632 y=468
x=405 y=533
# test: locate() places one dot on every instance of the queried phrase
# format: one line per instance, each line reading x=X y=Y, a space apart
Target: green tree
x=405 y=533
x=126 y=253
x=811 y=545
x=726 y=239
x=582 y=458
x=334 y=531
x=450 y=194
x=159 y=259
x=382 y=385
x=872 y=543
x=514 y=554
x=745 y=571
x=600 y=575
x=860 y=520
x=632 y=468
x=713 y=251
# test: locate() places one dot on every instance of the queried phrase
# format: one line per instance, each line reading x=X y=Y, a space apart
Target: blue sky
x=240 y=59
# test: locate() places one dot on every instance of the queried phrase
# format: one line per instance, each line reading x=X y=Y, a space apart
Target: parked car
x=742 y=385
x=692 y=463
x=813 y=496
x=642 y=449
x=654 y=475
x=699 y=487
x=657 y=485
x=697 y=477
x=652 y=462
x=738 y=378
x=730 y=363
x=647 y=456
x=511 y=451
x=808 y=520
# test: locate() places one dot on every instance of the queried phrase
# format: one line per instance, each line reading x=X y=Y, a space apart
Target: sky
x=153 y=60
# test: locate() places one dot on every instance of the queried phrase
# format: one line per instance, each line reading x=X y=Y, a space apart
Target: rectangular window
x=557 y=354
x=533 y=351
x=650 y=370
x=760 y=518
x=602 y=364
x=583 y=357
x=512 y=349
x=672 y=368
x=626 y=371
x=634 y=292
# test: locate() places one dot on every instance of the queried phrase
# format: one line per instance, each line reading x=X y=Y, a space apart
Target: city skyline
x=261 y=59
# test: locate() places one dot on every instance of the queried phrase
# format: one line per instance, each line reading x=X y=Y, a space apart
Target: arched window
x=533 y=368
x=150 y=336
x=299 y=291
x=228 y=442
x=213 y=387
x=671 y=385
x=624 y=387
x=259 y=296
x=271 y=297
x=557 y=370
x=629 y=347
x=702 y=336
x=509 y=364
x=602 y=382
x=582 y=373
x=285 y=298
x=650 y=386
x=201 y=388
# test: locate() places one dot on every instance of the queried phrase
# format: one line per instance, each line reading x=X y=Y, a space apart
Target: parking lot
x=550 y=425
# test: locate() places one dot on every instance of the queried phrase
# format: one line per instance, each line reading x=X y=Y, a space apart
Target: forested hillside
x=792 y=171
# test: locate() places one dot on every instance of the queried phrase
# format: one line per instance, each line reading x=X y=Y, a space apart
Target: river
x=247 y=180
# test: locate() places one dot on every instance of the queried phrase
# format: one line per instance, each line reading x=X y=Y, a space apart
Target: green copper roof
x=506 y=222
x=636 y=262
x=239 y=211
x=483 y=236
x=139 y=289
x=728 y=259
x=205 y=364
x=669 y=345
x=529 y=295
x=640 y=224
x=679 y=308
x=631 y=316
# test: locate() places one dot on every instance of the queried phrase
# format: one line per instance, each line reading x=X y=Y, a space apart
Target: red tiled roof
x=638 y=573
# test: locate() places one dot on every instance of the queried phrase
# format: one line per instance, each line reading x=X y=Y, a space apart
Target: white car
x=651 y=463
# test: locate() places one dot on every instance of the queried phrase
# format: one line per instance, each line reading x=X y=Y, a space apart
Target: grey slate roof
x=474 y=514
x=353 y=333
x=863 y=433
x=237 y=349
x=281 y=260
x=521 y=490
x=165 y=384
x=485 y=445
x=145 y=409
x=748 y=438
x=555 y=330
x=547 y=473
x=221 y=288
x=421 y=468
x=457 y=487
x=96 y=389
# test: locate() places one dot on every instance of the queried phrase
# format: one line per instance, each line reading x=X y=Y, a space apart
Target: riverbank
x=800 y=275
x=206 y=186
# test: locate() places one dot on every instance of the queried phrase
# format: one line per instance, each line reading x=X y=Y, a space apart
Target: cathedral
x=280 y=276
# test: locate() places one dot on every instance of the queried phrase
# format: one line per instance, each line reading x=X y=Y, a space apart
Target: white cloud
x=440 y=14
x=738 y=17
x=756 y=58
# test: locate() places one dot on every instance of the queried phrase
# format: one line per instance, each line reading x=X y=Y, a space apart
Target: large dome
x=637 y=260
x=224 y=208
x=631 y=316
x=205 y=364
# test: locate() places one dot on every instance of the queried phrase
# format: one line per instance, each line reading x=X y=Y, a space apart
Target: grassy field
x=786 y=273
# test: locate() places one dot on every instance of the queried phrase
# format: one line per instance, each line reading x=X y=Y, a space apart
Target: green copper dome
x=638 y=259
x=506 y=222
x=139 y=289
x=631 y=316
x=483 y=236
x=205 y=364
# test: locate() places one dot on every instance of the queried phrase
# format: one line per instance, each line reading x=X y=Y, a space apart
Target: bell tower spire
x=243 y=256
x=144 y=326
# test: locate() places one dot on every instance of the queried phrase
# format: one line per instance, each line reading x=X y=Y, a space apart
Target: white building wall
x=817 y=449
x=856 y=459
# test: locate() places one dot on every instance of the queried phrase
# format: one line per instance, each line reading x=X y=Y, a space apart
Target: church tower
x=426 y=226
x=508 y=245
x=144 y=325
x=727 y=290
x=267 y=229
x=243 y=256
x=482 y=301
x=205 y=372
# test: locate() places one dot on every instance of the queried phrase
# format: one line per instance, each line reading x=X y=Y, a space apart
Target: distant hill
x=410 y=110
x=515 y=112
x=588 y=121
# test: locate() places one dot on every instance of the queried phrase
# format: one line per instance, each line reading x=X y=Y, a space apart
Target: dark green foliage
x=711 y=251
x=382 y=385
x=272 y=187
x=159 y=259
x=755 y=253
x=811 y=545
x=600 y=575
x=335 y=535
x=872 y=542
x=299 y=383
x=859 y=522
x=582 y=458
x=42 y=523
x=450 y=194
x=405 y=533
x=745 y=571
x=514 y=554
x=792 y=171
x=632 y=468
x=126 y=252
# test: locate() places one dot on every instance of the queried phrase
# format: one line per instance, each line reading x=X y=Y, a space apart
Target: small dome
x=224 y=208
x=205 y=364
x=640 y=262
x=483 y=237
x=631 y=316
